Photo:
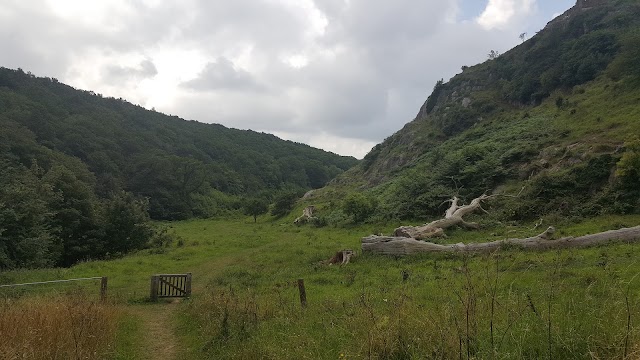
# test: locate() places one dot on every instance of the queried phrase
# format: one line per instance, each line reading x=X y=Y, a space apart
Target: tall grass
x=475 y=308
x=59 y=327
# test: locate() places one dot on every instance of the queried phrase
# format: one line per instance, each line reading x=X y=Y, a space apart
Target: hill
x=170 y=160
x=72 y=161
x=555 y=121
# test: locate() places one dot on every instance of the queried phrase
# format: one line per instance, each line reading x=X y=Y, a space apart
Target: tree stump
x=342 y=257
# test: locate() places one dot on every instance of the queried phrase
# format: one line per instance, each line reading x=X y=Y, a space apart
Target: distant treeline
x=80 y=175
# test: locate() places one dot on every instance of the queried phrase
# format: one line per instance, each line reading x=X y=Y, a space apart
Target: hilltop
x=554 y=120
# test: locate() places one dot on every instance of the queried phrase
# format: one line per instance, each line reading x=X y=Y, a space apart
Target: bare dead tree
x=452 y=217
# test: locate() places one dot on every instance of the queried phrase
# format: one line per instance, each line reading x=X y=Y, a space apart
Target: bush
x=628 y=168
x=163 y=238
x=336 y=218
x=359 y=207
x=284 y=203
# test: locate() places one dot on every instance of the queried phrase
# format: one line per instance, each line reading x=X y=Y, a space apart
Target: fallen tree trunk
x=453 y=217
x=401 y=246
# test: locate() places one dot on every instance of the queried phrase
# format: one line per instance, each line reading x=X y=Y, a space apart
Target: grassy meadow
x=570 y=304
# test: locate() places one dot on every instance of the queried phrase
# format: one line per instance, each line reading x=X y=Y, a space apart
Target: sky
x=341 y=75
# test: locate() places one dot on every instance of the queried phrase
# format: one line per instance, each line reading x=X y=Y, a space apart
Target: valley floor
x=573 y=304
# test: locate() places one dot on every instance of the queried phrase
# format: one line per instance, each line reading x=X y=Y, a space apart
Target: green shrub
x=283 y=203
x=359 y=206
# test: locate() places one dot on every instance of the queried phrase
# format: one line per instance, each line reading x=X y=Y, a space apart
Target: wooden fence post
x=188 y=285
x=103 y=288
x=154 y=288
x=303 y=293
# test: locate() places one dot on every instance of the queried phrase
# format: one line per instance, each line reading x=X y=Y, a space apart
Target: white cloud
x=144 y=69
x=499 y=13
x=340 y=74
x=99 y=15
x=222 y=74
x=355 y=147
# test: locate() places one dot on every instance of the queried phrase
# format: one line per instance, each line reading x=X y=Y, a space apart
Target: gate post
x=103 y=288
x=154 y=287
x=187 y=285
x=303 y=293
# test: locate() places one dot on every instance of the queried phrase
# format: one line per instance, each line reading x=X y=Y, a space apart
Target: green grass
x=245 y=302
x=366 y=310
x=129 y=333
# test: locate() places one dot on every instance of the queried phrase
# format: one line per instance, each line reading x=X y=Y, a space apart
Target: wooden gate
x=170 y=285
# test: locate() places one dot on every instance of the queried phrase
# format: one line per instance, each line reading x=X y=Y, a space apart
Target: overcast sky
x=341 y=75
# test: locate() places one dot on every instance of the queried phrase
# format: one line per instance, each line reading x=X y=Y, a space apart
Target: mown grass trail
x=159 y=340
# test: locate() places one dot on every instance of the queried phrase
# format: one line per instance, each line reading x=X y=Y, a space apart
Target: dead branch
x=307 y=215
x=452 y=217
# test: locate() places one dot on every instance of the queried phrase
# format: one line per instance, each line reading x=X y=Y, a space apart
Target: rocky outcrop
x=454 y=93
x=581 y=5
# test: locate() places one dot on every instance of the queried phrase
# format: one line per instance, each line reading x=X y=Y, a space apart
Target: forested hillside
x=78 y=172
x=553 y=123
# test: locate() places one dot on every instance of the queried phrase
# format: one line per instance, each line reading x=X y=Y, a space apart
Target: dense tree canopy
x=175 y=163
x=81 y=175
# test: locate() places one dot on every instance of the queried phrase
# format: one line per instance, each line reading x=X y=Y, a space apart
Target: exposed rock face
x=587 y=4
x=453 y=93
x=581 y=5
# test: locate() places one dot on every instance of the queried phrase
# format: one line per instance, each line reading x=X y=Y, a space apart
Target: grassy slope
x=502 y=142
x=365 y=308
x=595 y=120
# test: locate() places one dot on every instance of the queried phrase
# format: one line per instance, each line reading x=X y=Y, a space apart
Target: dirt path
x=159 y=341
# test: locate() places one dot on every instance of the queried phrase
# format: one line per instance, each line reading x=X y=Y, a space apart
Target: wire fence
x=70 y=286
